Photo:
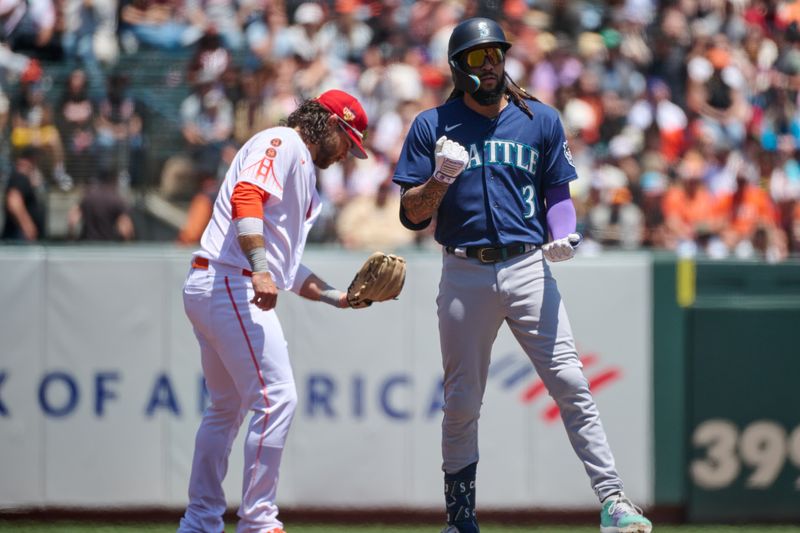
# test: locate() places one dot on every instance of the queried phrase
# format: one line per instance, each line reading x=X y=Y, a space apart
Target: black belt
x=491 y=254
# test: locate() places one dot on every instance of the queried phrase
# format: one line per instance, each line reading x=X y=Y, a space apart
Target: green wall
x=726 y=410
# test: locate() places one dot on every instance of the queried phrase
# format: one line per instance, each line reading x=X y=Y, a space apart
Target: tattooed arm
x=421 y=202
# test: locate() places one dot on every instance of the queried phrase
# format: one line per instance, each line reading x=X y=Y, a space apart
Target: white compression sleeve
x=257 y=257
x=249 y=226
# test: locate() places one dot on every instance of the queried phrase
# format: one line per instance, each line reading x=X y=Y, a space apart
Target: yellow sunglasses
x=476 y=58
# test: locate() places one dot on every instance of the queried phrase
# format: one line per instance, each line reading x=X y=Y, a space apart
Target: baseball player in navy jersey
x=493 y=165
x=251 y=250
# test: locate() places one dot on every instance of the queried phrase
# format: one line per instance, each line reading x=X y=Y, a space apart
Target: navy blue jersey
x=499 y=198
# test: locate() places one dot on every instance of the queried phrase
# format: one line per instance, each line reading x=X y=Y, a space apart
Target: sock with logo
x=459 y=494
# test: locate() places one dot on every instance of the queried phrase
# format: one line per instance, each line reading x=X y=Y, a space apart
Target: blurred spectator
x=5 y=108
x=670 y=43
x=614 y=220
x=691 y=219
x=199 y=212
x=304 y=43
x=220 y=17
x=25 y=204
x=160 y=24
x=33 y=126
x=90 y=32
x=345 y=37
x=716 y=93
x=387 y=83
x=392 y=127
x=207 y=123
x=281 y=97
x=302 y=38
x=370 y=222
x=342 y=182
x=658 y=110
x=583 y=111
x=264 y=21
x=210 y=59
x=784 y=187
x=652 y=186
x=120 y=143
x=794 y=229
x=102 y=214
x=251 y=110
x=751 y=218
x=29 y=27
x=618 y=73
x=75 y=121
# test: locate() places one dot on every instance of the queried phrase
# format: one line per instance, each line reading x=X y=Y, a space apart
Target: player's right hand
x=451 y=160
x=266 y=293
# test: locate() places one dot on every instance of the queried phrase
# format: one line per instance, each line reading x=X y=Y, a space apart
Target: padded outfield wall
x=101 y=390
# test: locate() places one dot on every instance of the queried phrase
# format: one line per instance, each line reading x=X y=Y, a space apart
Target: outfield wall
x=101 y=390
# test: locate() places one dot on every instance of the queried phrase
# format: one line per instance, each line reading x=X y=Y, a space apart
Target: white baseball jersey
x=278 y=161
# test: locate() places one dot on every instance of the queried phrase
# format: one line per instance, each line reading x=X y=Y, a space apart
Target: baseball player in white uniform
x=250 y=250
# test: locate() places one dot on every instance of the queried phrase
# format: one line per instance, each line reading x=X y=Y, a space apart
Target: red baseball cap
x=351 y=115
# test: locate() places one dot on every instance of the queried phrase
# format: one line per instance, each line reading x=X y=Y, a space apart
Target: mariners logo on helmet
x=472 y=33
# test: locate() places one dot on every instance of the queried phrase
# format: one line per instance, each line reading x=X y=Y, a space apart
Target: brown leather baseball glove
x=380 y=278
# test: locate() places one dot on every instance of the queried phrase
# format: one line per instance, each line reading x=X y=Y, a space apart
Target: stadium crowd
x=682 y=115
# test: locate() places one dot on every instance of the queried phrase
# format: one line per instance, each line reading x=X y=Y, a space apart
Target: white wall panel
x=367 y=429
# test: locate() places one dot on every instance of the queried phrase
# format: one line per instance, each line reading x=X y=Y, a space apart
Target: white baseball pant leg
x=246 y=367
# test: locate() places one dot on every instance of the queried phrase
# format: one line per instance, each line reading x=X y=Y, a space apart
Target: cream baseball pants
x=246 y=368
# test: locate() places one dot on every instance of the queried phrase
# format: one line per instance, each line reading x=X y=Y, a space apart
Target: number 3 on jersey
x=529 y=197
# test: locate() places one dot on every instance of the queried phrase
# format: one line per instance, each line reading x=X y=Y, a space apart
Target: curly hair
x=311 y=119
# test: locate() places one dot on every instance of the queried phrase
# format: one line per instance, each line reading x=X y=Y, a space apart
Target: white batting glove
x=451 y=160
x=562 y=249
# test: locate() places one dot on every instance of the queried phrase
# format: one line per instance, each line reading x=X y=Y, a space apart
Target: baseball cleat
x=619 y=515
x=450 y=529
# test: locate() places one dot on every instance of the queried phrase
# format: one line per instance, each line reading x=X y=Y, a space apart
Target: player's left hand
x=562 y=249
x=380 y=278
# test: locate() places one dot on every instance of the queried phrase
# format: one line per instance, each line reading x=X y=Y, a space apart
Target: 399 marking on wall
x=764 y=446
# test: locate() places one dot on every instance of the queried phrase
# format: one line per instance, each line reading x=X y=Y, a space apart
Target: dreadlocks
x=515 y=93
x=311 y=119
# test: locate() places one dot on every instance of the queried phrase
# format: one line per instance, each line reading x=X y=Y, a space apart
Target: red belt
x=202 y=262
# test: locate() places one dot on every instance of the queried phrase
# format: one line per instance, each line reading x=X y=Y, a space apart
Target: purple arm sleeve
x=561 y=218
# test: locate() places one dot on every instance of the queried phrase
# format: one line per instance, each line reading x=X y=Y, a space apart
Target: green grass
x=73 y=527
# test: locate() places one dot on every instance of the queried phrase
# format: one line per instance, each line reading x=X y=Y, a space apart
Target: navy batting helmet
x=469 y=34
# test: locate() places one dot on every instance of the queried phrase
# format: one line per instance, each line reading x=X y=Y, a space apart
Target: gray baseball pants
x=474 y=299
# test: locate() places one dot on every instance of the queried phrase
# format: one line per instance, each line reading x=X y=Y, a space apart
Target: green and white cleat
x=619 y=515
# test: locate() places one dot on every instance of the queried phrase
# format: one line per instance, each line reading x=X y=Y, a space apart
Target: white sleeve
x=303 y=272
x=268 y=163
